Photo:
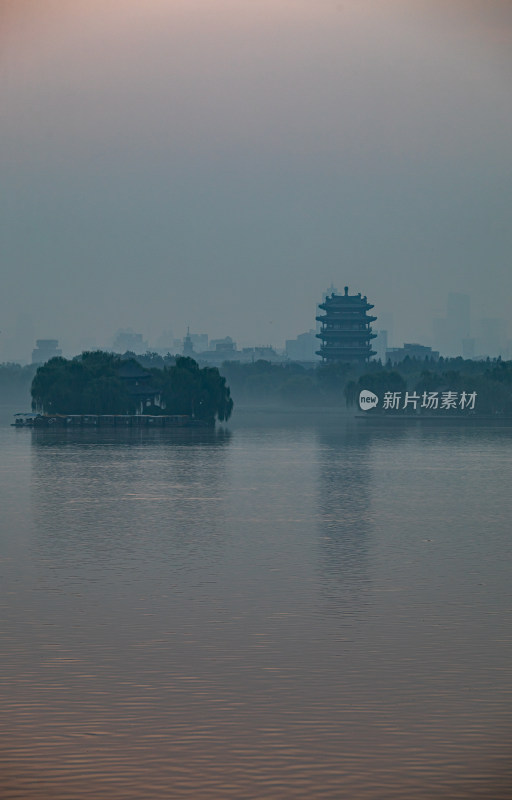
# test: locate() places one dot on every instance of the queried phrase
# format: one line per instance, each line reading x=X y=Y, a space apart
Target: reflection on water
x=345 y=515
x=96 y=495
x=140 y=437
x=344 y=518
x=296 y=610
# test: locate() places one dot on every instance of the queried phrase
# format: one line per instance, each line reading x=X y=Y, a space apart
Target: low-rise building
x=409 y=350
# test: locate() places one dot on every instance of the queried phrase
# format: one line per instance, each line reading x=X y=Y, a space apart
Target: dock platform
x=103 y=421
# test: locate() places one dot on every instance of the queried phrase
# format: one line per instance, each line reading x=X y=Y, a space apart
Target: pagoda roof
x=131 y=370
x=345 y=303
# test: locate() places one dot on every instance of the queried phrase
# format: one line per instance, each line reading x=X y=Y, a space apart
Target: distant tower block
x=188 y=345
x=45 y=350
x=346 y=332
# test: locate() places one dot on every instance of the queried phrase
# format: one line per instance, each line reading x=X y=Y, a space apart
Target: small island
x=104 y=386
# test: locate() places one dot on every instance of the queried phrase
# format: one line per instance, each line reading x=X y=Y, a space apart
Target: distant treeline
x=340 y=384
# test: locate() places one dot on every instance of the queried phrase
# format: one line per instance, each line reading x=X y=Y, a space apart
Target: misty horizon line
x=166 y=339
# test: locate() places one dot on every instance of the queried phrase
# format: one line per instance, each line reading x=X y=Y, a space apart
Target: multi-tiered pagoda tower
x=346 y=332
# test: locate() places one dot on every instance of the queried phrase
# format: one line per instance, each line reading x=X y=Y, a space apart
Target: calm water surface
x=286 y=609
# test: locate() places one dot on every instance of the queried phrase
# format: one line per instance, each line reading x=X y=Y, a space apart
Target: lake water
x=288 y=608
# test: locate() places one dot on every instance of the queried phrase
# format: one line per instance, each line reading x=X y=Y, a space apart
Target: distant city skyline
x=444 y=331
x=455 y=333
x=218 y=165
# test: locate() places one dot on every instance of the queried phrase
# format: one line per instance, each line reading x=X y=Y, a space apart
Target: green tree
x=87 y=384
x=201 y=393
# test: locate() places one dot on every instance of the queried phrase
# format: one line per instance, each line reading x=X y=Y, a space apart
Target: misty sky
x=217 y=163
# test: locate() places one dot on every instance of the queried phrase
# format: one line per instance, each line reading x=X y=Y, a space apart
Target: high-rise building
x=188 y=345
x=128 y=341
x=468 y=348
x=346 y=332
x=381 y=345
x=451 y=331
x=200 y=341
x=387 y=323
x=492 y=337
x=458 y=309
x=302 y=348
x=44 y=350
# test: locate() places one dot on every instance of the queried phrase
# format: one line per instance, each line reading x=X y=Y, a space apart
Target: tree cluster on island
x=260 y=383
x=103 y=383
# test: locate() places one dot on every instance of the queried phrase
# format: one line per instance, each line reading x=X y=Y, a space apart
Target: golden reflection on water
x=60 y=748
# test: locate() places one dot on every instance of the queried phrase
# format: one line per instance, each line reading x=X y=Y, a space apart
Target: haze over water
x=286 y=609
x=217 y=164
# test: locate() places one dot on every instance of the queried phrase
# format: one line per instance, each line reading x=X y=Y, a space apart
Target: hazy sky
x=217 y=163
